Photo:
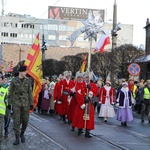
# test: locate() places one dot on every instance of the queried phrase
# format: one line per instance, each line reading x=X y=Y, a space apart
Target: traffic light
x=44 y=47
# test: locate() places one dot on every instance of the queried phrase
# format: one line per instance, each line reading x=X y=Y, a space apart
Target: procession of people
x=76 y=101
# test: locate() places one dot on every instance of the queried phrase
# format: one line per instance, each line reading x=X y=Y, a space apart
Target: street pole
x=43 y=51
x=114 y=42
x=89 y=55
x=20 y=51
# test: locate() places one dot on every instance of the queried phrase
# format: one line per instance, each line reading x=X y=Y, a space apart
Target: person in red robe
x=84 y=95
x=67 y=84
x=106 y=98
x=57 y=96
x=72 y=103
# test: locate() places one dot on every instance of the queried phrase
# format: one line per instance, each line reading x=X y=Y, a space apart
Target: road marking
x=37 y=118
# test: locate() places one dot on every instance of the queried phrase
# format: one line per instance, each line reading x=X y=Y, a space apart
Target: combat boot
x=17 y=139
x=6 y=133
x=22 y=137
x=87 y=134
x=64 y=119
x=80 y=131
x=0 y=146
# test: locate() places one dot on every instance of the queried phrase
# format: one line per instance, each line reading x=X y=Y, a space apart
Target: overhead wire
x=40 y=16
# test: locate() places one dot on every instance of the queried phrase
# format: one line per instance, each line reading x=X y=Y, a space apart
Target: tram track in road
x=124 y=130
x=116 y=144
x=45 y=135
x=129 y=132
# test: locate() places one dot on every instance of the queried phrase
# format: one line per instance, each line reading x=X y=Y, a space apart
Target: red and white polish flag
x=103 y=41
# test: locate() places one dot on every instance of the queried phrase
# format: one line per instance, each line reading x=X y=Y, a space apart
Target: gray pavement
x=49 y=133
x=34 y=140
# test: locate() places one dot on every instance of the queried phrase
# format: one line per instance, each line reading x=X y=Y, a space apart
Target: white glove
x=59 y=102
x=90 y=94
x=112 y=103
x=82 y=106
x=117 y=104
x=69 y=99
x=54 y=101
x=100 y=102
x=73 y=89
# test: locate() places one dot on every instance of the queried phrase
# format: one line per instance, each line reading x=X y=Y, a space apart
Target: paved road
x=106 y=136
x=50 y=133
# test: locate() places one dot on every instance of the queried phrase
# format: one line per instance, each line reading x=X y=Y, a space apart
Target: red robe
x=66 y=88
x=94 y=88
x=102 y=95
x=78 y=120
x=57 y=95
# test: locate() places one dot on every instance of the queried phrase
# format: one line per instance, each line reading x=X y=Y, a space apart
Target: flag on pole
x=103 y=41
x=84 y=63
x=34 y=68
x=6 y=66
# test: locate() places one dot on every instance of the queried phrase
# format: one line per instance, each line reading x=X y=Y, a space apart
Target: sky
x=133 y=12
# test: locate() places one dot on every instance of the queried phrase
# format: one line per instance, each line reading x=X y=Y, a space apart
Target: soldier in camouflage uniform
x=20 y=97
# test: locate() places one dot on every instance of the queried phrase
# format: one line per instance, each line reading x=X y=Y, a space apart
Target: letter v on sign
x=54 y=12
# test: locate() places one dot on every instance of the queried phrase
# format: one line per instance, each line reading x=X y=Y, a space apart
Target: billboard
x=73 y=13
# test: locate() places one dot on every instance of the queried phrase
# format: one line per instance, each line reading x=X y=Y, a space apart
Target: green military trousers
x=20 y=118
x=1 y=126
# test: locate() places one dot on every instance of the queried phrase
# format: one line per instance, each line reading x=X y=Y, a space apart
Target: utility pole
x=20 y=51
x=44 y=47
x=114 y=40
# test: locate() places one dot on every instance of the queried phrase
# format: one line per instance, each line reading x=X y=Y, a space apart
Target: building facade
x=20 y=30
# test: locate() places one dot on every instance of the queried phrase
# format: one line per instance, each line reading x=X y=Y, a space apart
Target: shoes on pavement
x=142 y=120
x=125 y=124
x=80 y=131
x=105 y=119
x=73 y=128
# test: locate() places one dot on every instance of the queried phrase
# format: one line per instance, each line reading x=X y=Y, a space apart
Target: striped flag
x=34 y=68
x=84 y=63
x=103 y=41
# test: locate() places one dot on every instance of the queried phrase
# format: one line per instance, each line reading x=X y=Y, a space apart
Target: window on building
x=5 y=34
x=16 y=25
x=62 y=28
x=25 y=35
x=62 y=37
x=45 y=27
x=30 y=36
x=51 y=37
x=53 y=27
x=5 y=24
x=70 y=28
x=27 y=25
x=21 y=35
x=13 y=34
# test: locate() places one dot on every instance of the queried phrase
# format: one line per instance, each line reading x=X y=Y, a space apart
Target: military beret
x=22 y=68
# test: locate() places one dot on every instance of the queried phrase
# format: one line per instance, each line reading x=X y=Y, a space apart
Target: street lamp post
x=114 y=40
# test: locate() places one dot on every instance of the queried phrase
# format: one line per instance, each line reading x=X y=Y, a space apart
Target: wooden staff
x=86 y=114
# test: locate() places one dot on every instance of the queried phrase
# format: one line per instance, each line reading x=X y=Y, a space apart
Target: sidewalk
x=34 y=141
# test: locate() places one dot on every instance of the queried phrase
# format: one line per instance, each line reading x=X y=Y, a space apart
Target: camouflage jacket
x=20 y=92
